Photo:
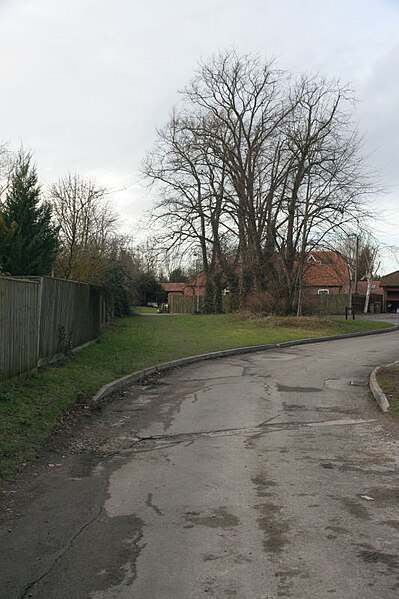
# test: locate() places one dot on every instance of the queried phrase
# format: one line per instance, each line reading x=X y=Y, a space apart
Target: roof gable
x=173 y=287
x=390 y=280
x=326 y=269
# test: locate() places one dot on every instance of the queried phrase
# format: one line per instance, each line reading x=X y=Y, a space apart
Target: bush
x=261 y=303
x=117 y=282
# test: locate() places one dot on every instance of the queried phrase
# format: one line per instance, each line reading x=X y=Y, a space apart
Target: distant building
x=375 y=288
x=196 y=286
x=173 y=288
x=390 y=286
x=326 y=272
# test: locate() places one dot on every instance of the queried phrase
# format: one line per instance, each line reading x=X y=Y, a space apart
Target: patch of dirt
x=372 y=556
x=274 y=526
x=392 y=523
x=355 y=508
x=90 y=432
x=290 y=389
x=387 y=496
x=261 y=483
x=220 y=518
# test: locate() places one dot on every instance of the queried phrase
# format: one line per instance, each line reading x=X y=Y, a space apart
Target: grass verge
x=32 y=408
x=388 y=379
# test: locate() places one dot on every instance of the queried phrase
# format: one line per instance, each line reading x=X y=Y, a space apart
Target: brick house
x=173 y=288
x=326 y=272
x=196 y=286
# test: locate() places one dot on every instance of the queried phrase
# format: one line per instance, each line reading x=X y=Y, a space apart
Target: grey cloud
x=84 y=84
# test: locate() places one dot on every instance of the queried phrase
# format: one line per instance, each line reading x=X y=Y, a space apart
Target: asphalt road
x=255 y=477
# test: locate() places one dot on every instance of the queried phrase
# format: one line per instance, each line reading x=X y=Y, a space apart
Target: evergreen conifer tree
x=28 y=237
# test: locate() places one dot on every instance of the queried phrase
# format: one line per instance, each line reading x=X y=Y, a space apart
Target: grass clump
x=295 y=322
x=388 y=379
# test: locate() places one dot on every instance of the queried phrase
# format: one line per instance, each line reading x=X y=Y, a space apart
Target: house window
x=323 y=292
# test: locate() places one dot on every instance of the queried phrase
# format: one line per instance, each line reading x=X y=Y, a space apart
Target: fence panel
x=70 y=315
x=41 y=317
x=325 y=305
x=182 y=304
x=19 y=303
x=332 y=304
x=322 y=305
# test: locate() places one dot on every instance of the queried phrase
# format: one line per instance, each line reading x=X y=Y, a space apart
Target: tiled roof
x=199 y=281
x=326 y=269
x=390 y=280
x=173 y=287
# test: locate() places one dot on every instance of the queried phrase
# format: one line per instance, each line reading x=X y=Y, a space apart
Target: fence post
x=39 y=317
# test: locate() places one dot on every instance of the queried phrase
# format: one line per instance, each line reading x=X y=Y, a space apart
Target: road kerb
x=376 y=390
x=141 y=375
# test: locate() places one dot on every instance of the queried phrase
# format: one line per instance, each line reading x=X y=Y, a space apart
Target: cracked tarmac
x=254 y=477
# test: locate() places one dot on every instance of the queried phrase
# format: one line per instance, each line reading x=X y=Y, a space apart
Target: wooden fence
x=182 y=304
x=43 y=317
x=321 y=305
x=69 y=316
x=325 y=305
x=19 y=308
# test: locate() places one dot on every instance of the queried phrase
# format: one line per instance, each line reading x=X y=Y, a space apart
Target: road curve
x=251 y=477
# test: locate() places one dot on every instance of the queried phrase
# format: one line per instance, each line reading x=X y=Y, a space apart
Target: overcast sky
x=84 y=83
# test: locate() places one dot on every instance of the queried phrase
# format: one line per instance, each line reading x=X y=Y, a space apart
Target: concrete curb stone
x=377 y=391
x=140 y=375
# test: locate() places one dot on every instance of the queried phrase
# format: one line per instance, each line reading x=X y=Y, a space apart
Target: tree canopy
x=28 y=236
x=254 y=170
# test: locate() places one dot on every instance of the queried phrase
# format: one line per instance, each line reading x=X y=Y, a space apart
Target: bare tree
x=251 y=160
x=87 y=224
x=245 y=99
x=325 y=184
x=372 y=267
x=361 y=251
x=193 y=188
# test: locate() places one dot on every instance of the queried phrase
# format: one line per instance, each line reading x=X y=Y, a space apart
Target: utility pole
x=198 y=294
x=349 y=286
x=356 y=260
x=355 y=267
x=197 y=297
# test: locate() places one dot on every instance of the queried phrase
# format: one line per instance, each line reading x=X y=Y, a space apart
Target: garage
x=390 y=285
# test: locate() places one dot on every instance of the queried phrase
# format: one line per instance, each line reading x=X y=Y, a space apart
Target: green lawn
x=33 y=407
